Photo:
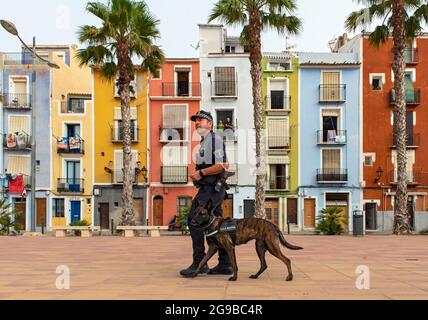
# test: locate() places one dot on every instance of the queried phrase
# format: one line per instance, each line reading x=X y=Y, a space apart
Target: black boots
x=192 y=269
x=221 y=269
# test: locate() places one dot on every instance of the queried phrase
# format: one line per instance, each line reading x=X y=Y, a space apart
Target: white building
x=227 y=94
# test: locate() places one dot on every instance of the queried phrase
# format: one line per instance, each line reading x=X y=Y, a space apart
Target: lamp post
x=10 y=27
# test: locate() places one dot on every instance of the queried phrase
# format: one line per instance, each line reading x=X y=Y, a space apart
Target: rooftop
x=328 y=58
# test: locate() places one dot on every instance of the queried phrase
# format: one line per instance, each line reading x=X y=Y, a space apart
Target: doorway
x=371 y=216
x=20 y=205
x=138 y=211
x=272 y=210
x=103 y=210
x=309 y=213
x=74 y=211
x=158 y=211
x=41 y=212
x=227 y=207
x=292 y=210
x=249 y=208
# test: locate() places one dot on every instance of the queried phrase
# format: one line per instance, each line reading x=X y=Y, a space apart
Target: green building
x=280 y=96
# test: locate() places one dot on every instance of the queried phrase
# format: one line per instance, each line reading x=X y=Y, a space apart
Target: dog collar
x=212 y=233
x=210 y=224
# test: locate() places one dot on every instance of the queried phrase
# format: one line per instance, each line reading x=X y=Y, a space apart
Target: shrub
x=79 y=223
x=8 y=219
x=330 y=222
x=424 y=232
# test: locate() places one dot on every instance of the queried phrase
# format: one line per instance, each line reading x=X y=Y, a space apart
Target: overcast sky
x=56 y=22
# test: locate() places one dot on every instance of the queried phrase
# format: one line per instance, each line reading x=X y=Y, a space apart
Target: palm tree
x=128 y=30
x=255 y=16
x=403 y=19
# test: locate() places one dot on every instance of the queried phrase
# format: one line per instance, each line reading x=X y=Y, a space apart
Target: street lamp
x=10 y=27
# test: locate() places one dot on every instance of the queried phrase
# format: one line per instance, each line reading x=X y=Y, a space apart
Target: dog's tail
x=285 y=243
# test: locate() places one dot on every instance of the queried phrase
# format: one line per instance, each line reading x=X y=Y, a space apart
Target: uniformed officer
x=211 y=162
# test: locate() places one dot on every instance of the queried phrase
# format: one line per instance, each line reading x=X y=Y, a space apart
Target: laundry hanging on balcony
x=16 y=184
x=74 y=143
x=22 y=140
x=62 y=143
x=11 y=140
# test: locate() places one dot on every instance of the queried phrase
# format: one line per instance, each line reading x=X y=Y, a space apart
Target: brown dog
x=229 y=233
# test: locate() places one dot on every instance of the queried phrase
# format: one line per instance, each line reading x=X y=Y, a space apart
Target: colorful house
x=379 y=151
x=108 y=149
x=71 y=130
x=174 y=96
x=16 y=110
x=330 y=128
x=227 y=94
x=280 y=97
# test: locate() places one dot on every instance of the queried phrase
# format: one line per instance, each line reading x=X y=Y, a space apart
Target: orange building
x=174 y=96
x=379 y=152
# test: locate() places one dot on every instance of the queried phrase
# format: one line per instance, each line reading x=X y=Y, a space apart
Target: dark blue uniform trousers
x=205 y=193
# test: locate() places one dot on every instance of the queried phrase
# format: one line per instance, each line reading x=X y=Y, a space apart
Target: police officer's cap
x=202 y=115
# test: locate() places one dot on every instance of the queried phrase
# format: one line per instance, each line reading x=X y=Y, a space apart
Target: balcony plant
x=82 y=223
x=8 y=219
x=330 y=222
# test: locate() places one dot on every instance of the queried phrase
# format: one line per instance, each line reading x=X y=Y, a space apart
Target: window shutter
x=19 y=124
x=117 y=114
x=331 y=159
x=18 y=165
x=278 y=133
x=225 y=81
x=174 y=117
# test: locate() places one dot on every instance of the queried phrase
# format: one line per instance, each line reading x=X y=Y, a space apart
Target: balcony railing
x=174 y=174
x=16 y=100
x=336 y=137
x=326 y=175
x=70 y=145
x=70 y=185
x=278 y=183
x=117 y=134
x=278 y=103
x=413 y=140
x=411 y=56
x=170 y=135
x=117 y=176
x=233 y=180
x=18 y=58
x=76 y=106
x=413 y=177
x=17 y=141
x=229 y=135
x=332 y=92
x=225 y=89
x=413 y=96
x=181 y=89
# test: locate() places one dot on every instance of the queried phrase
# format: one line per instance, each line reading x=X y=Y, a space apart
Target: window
x=377 y=83
x=330 y=87
x=331 y=132
x=225 y=84
x=118 y=136
x=58 y=208
x=118 y=165
x=331 y=159
x=277 y=177
x=184 y=204
x=225 y=124
x=278 y=95
x=174 y=123
x=230 y=49
x=279 y=66
x=409 y=164
x=368 y=160
x=75 y=105
x=132 y=88
x=278 y=133
x=183 y=79
x=19 y=93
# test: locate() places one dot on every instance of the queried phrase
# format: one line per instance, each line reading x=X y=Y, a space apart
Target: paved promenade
x=147 y=268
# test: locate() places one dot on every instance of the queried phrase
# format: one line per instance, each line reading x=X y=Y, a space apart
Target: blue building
x=330 y=125
x=16 y=107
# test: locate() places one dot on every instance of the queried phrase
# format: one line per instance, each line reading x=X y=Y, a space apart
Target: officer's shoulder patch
x=219 y=153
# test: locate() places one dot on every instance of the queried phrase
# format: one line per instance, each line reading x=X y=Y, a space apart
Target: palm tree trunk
x=128 y=218
x=401 y=215
x=256 y=75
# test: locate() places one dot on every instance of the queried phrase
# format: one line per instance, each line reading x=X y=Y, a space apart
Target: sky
x=56 y=22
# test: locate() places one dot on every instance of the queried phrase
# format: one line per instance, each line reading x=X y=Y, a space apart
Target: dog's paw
x=254 y=276
x=289 y=278
x=233 y=278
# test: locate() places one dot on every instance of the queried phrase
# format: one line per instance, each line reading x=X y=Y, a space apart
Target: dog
x=228 y=233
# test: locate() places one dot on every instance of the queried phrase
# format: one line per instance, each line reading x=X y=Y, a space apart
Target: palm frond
x=379 y=35
x=231 y=12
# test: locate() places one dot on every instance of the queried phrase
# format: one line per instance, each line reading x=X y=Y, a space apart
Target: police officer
x=211 y=162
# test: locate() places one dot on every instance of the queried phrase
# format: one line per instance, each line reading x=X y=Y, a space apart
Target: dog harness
x=227 y=227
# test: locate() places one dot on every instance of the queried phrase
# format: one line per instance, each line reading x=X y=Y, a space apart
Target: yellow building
x=108 y=154
x=71 y=196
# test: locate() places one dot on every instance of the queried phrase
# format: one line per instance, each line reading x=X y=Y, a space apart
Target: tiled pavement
x=147 y=268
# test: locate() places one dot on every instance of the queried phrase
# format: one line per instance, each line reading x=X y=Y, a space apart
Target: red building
x=174 y=97
x=379 y=152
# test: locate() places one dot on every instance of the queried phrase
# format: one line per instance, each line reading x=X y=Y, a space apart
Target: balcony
x=278 y=183
x=413 y=97
x=18 y=58
x=224 y=89
x=413 y=141
x=117 y=135
x=174 y=174
x=74 y=107
x=413 y=177
x=278 y=103
x=170 y=135
x=16 y=101
x=332 y=92
x=181 y=89
x=26 y=180
x=70 y=145
x=17 y=141
x=228 y=135
x=70 y=185
x=326 y=175
x=332 y=137
x=233 y=180
x=278 y=143
x=117 y=176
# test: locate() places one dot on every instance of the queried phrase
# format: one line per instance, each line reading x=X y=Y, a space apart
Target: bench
x=130 y=230
x=85 y=232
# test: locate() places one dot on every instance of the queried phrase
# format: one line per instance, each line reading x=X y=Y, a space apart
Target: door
x=21 y=207
x=41 y=212
x=371 y=216
x=73 y=175
x=158 y=211
x=272 y=211
x=409 y=128
x=411 y=210
x=183 y=83
x=103 y=209
x=410 y=91
x=249 y=208
x=138 y=211
x=73 y=130
x=331 y=86
x=74 y=211
x=227 y=207
x=309 y=214
x=292 y=210
x=330 y=128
